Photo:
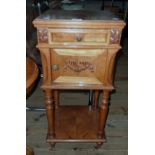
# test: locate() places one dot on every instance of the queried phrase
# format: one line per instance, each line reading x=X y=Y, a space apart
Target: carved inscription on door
x=78 y=65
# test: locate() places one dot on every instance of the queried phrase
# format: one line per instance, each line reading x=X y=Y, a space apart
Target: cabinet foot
x=98 y=145
x=52 y=145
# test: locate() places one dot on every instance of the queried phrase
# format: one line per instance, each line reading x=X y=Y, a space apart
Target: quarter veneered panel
x=78 y=63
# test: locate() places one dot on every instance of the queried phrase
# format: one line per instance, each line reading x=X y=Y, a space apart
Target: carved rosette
x=115 y=36
x=78 y=65
x=43 y=35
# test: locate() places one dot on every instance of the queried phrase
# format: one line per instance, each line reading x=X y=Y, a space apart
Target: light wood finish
x=82 y=63
x=96 y=94
x=81 y=119
x=56 y=98
x=78 y=50
x=76 y=80
x=103 y=115
x=73 y=52
x=66 y=86
x=49 y=104
x=79 y=35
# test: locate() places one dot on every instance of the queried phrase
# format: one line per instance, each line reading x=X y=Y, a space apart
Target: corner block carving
x=115 y=36
x=43 y=35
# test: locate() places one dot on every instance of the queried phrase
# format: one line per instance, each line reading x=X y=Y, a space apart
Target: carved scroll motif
x=78 y=65
x=115 y=36
x=43 y=35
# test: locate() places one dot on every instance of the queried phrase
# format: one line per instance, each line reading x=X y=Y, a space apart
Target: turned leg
x=95 y=99
x=103 y=116
x=49 y=103
x=56 y=98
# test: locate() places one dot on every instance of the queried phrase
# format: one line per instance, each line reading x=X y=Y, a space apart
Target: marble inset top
x=77 y=15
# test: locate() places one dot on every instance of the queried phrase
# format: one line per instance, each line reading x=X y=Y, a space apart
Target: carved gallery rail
x=78 y=51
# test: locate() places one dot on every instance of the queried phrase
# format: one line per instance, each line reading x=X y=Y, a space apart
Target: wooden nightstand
x=78 y=50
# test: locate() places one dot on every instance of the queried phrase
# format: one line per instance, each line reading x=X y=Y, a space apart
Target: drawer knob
x=78 y=38
x=55 y=67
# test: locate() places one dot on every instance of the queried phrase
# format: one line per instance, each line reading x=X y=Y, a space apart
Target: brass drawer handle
x=78 y=38
x=55 y=67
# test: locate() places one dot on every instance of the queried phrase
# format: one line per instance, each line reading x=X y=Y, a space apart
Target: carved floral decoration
x=78 y=65
x=115 y=36
x=43 y=35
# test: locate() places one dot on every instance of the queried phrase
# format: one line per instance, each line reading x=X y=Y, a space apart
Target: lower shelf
x=75 y=124
x=77 y=80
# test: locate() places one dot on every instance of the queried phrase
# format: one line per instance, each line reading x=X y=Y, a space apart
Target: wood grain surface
x=78 y=51
x=31 y=73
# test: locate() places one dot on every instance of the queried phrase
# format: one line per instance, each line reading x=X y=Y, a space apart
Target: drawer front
x=78 y=63
x=78 y=36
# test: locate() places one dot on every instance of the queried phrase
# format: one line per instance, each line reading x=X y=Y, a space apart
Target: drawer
x=78 y=63
x=78 y=36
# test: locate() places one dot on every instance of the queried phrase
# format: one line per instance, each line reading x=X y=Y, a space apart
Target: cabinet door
x=78 y=65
